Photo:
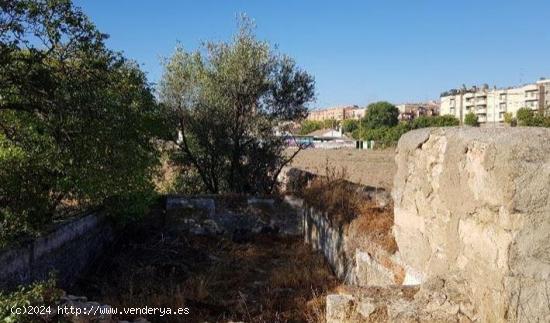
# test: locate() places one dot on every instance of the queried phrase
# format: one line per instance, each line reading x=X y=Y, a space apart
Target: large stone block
x=473 y=205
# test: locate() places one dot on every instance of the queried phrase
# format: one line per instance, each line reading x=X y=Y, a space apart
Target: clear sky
x=358 y=51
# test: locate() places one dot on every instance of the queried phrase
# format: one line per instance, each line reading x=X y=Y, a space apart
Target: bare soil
x=368 y=167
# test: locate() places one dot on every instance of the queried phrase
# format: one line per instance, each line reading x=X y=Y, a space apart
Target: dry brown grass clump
x=334 y=194
x=374 y=224
x=349 y=207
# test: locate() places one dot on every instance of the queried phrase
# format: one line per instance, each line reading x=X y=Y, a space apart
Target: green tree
x=308 y=126
x=330 y=124
x=380 y=114
x=471 y=119
x=509 y=118
x=350 y=125
x=436 y=121
x=76 y=119
x=225 y=101
x=524 y=117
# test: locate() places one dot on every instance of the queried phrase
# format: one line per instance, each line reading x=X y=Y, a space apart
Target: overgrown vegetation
x=471 y=119
x=384 y=128
x=76 y=119
x=223 y=103
x=349 y=206
x=266 y=278
x=309 y=126
x=38 y=294
x=529 y=118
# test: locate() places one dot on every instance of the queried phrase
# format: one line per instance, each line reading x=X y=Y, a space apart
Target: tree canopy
x=76 y=119
x=381 y=114
x=225 y=101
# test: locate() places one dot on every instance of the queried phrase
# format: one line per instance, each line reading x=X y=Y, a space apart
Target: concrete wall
x=355 y=261
x=472 y=205
x=67 y=250
x=208 y=215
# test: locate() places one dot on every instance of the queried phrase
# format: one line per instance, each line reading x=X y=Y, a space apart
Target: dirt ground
x=367 y=167
x=263 y=278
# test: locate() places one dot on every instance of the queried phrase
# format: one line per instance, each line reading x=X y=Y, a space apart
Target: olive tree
x=225 y=101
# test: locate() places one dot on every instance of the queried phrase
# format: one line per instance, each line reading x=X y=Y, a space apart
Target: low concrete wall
x=208 y=215
x=358 y=262
x=67 y=250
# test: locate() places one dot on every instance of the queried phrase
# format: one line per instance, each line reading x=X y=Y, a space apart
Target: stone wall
x=67 y=250
x=232 y=215
x=472 y=206
x=355 y=261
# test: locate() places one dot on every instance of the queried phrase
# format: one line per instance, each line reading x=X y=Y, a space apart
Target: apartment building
x=337 y=113
x=410 y=111
x=490 y=105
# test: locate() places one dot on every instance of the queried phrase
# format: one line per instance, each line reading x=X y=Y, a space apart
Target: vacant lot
x=368 y=167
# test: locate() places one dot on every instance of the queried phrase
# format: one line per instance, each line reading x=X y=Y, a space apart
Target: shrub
x=436 y=121
x=350 y=125
x=330 y=124
x=509 y=119
x=308 y=126
x=471 y=119
x=38 y=294
x=524 y=117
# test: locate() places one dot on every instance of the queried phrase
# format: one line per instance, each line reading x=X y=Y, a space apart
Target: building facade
x=337 y=113
x=490 y=105
x=410 y=111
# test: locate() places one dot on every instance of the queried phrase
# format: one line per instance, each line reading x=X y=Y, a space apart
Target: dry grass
x=267 y=279
x=334 y=195
x=375 y=225
x=347 y=206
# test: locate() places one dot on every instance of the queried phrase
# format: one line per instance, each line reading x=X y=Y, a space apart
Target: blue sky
x=358 y=51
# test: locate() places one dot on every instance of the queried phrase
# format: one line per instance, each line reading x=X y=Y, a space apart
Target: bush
x=37 y=294
x=509 y=119
x=385 y=136
x=308 y=126
x=330 y=124
x=524 y=117
x=436 y=121
x=350 y=125
x=528 y=118
x=388 y=136
x=471 y=119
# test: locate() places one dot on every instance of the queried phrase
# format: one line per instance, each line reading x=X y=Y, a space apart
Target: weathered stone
x=472 y=205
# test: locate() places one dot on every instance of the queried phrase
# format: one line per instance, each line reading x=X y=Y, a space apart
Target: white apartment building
x=490 y=105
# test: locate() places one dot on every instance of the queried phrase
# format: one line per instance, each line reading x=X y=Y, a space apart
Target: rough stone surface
x=397 y=304
x=472 y=205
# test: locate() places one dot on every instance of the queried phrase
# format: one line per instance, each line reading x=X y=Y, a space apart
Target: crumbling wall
x=472 y=205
